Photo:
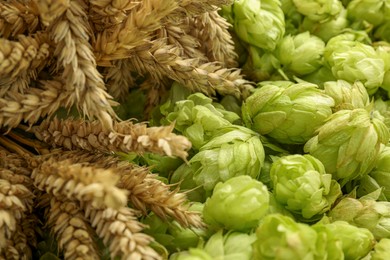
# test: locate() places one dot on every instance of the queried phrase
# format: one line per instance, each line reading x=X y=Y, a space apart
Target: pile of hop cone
x=63 y=176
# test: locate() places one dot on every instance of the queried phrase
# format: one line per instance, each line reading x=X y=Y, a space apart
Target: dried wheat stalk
x=121 y=232
x=74 y=234
x=145 y=191
x=21 y=61
x=211 y=30
x=17 y=247
x=71 y=34
x=118 y=42
x=196 y=7
x=78 y=182
x=165 y=60
x=125 y=137
x=119 y=78
x=105 y=14
x=17 y=18
x=33 y=104
x=49 y=10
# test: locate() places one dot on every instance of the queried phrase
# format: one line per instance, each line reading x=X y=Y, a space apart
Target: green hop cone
x=191 y=254
x=383 y=107
x=230 y=246
x=259 y=23
x=259 y=65
x=319 y=10
x=352 y=60
x=373 y=11
x=381 y=173
x=381 y=250
x=348 y=143
x=231 y=152
x=289 y=113
x=237 y=204
x=347 y=95
x=301 y=184
x=292 y=17
x=280 y=237
x=197 y=118
x=326 y=29
x=354 y=242
x=300 y=54
x=365 y=213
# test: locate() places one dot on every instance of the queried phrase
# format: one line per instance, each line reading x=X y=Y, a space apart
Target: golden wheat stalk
x=209 y=78
x=78 y=182
x=72 y=231
x=21 y=61
x=104 y=14
x=197 y=7
x=125 y=137
x=83 y=82
x=121 y=232
x=18 y=18
x=117 y=42
x=49 y=10
x=119 y=79
x=17 y=247
x=211 y=30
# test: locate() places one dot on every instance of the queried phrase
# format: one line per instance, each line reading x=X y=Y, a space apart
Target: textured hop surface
x=348 y=143
x=289 y=113
x=233 y=151
x=237 y=204
x=301 y=184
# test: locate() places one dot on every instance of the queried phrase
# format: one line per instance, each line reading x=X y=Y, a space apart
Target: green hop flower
x=301 y=184
x=352 y=60
x=230 y=246
x=292 y=17
x=381 y=250
x=259 y=23
x=198 y=118
x=289 y=113
x=301 y=54
x=354 y=242
x=365 y=213
x=259 y=65
x=347 y=95
x=191 y=254
x=326 y=29
x=383 y=107
x=381 y=172
x=233 y=151
x=372 y=11
x=348 y=143
x=237 y=204
x=280 y=237
x=318 y=10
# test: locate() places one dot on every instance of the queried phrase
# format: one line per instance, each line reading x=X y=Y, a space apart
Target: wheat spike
x=209 y=78
x=125 y=137
x=105 y=14
x=17 y=247
x=84 y=83
x=33 y=104
x=196 y=7
x=17 y=18
x=119 y=78
x=78 y=182
x=49 y=10
x=22 y=61
x=121 y=232
x=117 y=42
x=212 y=32
x=73 y=232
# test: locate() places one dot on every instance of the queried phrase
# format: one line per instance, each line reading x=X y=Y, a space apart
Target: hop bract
x=381 y=172
x=348 y=143
x=354 y=242
x=289 y=113
x=231 y=152
x=318 y=10
x=280 y=237
x=301 y=54
x=347 y=95
x=259 y=23
x=352 y=60
x=365 y=213
x=197 y=118
x=381 y=250
x=302 y=185
x=372 y=11
x=237 y=204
